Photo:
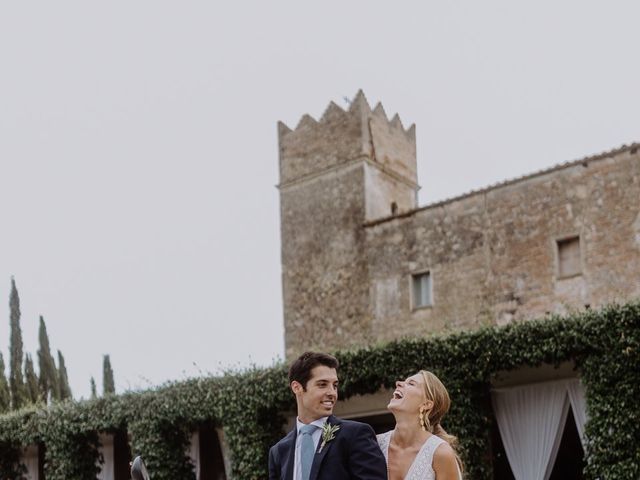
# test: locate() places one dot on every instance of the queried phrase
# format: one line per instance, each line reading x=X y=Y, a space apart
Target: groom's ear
x=296 y=387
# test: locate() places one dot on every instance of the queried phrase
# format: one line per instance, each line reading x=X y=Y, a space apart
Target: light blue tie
x=307 y=449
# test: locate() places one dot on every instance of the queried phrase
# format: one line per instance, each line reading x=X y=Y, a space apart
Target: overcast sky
x=139 y=157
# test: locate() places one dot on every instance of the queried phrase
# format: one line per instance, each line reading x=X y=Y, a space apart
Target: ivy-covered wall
x=250 y=405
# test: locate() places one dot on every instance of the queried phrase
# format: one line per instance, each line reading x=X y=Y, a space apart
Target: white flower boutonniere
x=328 y=433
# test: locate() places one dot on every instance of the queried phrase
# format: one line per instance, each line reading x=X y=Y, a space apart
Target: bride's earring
x=424 y=419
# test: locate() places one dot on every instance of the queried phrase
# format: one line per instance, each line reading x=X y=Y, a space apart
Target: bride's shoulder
x=444 y=458
x=444 y=451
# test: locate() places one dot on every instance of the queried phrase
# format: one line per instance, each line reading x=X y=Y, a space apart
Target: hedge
x=250 y=405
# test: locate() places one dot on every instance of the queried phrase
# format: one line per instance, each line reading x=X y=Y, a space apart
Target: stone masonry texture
x=347 y=260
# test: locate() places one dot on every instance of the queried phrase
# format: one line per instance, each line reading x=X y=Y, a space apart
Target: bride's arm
x=445 y=465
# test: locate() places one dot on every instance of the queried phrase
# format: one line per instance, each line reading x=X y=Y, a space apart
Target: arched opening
x=569 y=463
x=116 y=454
x=41 y=451
x=207 y=453
x=30 y=458
x=539 y=416
x=121 y=455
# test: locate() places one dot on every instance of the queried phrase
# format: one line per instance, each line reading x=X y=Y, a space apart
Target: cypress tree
x=48 y=382
x=108 y=385
x=16 y=383
x=5 y=396
x=31 y=379
x=63 y=379
x=94 y=392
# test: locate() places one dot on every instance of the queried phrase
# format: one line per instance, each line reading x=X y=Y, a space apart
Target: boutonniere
x=328 y=434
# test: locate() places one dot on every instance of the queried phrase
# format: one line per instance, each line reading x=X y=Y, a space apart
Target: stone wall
x=323 y=274
x=335 y=174
x=352 y=236
x=492 y=255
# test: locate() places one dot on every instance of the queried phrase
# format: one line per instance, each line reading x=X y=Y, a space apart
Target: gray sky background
x=138 y=148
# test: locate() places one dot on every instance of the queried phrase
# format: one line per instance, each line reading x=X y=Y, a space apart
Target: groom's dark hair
x=300 y=370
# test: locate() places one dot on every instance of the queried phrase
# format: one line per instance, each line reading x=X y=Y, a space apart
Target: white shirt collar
x=318 y=423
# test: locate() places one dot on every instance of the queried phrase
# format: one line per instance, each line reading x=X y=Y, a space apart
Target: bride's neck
x=408 y=433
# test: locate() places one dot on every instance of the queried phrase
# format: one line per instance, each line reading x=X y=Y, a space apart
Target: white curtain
x=578 y=406
x=106 y=448
x=194 y=453
x=30 y=460
x=531 y=419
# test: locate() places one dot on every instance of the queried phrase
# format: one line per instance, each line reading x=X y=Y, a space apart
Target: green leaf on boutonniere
x=328 y=433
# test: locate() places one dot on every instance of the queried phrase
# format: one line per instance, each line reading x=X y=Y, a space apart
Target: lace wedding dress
x=421 y=468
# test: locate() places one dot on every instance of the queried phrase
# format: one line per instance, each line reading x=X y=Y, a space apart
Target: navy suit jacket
x=352 y=454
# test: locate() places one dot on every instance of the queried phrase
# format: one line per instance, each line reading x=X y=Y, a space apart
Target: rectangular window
x=421 y=284
x=569 y=263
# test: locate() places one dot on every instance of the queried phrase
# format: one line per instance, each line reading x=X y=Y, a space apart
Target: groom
x=323 y=447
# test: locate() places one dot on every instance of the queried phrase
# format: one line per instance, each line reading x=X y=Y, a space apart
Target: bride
x=418 y=448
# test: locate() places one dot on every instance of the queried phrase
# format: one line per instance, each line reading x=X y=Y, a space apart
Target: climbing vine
x=250 y=405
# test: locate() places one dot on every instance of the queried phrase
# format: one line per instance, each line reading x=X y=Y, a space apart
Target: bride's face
x=409 y=395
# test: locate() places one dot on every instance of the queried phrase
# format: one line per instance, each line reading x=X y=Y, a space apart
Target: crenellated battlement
x=350 y=167
x=343 y=136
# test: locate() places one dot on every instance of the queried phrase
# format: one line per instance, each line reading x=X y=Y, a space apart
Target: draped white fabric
x=578 y=406
x=531 y=420
x=106 y=448
x=558 y=439
x=30 y=460
x=194 y=453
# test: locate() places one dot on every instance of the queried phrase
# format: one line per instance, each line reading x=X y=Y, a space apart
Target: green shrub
x=250 y=405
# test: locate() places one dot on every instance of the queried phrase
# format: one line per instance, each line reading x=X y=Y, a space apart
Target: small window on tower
x=421 y=289
x=569 y=262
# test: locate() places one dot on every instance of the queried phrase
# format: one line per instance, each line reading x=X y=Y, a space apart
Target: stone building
x=362 y=262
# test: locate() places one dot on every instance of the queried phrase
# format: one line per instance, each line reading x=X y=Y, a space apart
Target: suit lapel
x=319 y=456
x=287 y=466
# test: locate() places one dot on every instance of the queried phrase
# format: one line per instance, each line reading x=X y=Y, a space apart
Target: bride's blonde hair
x=437 y=393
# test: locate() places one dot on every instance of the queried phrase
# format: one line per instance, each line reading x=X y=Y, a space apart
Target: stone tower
x=336 y=174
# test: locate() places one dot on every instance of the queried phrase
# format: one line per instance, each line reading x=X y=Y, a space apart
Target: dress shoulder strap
x=383 y=442
x=429 y=449
x=430 y=446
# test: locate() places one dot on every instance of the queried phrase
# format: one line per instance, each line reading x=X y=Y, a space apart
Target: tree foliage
x=108 y=384
x=16 y=383
x=10 y=466
x=48 y=380
x=5 y=396
x=31 y=380
x=63 y=379
x=94 y=392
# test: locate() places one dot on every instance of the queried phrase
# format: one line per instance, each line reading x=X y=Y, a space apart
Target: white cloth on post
x=106 y=449
x=531 y=420
x=194 y=452
x=30 y=461
x=578 y=406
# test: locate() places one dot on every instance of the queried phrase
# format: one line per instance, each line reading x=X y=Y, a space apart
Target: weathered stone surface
x=492 y=255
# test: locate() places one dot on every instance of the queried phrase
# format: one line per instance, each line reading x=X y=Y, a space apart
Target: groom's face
x=320 y=395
